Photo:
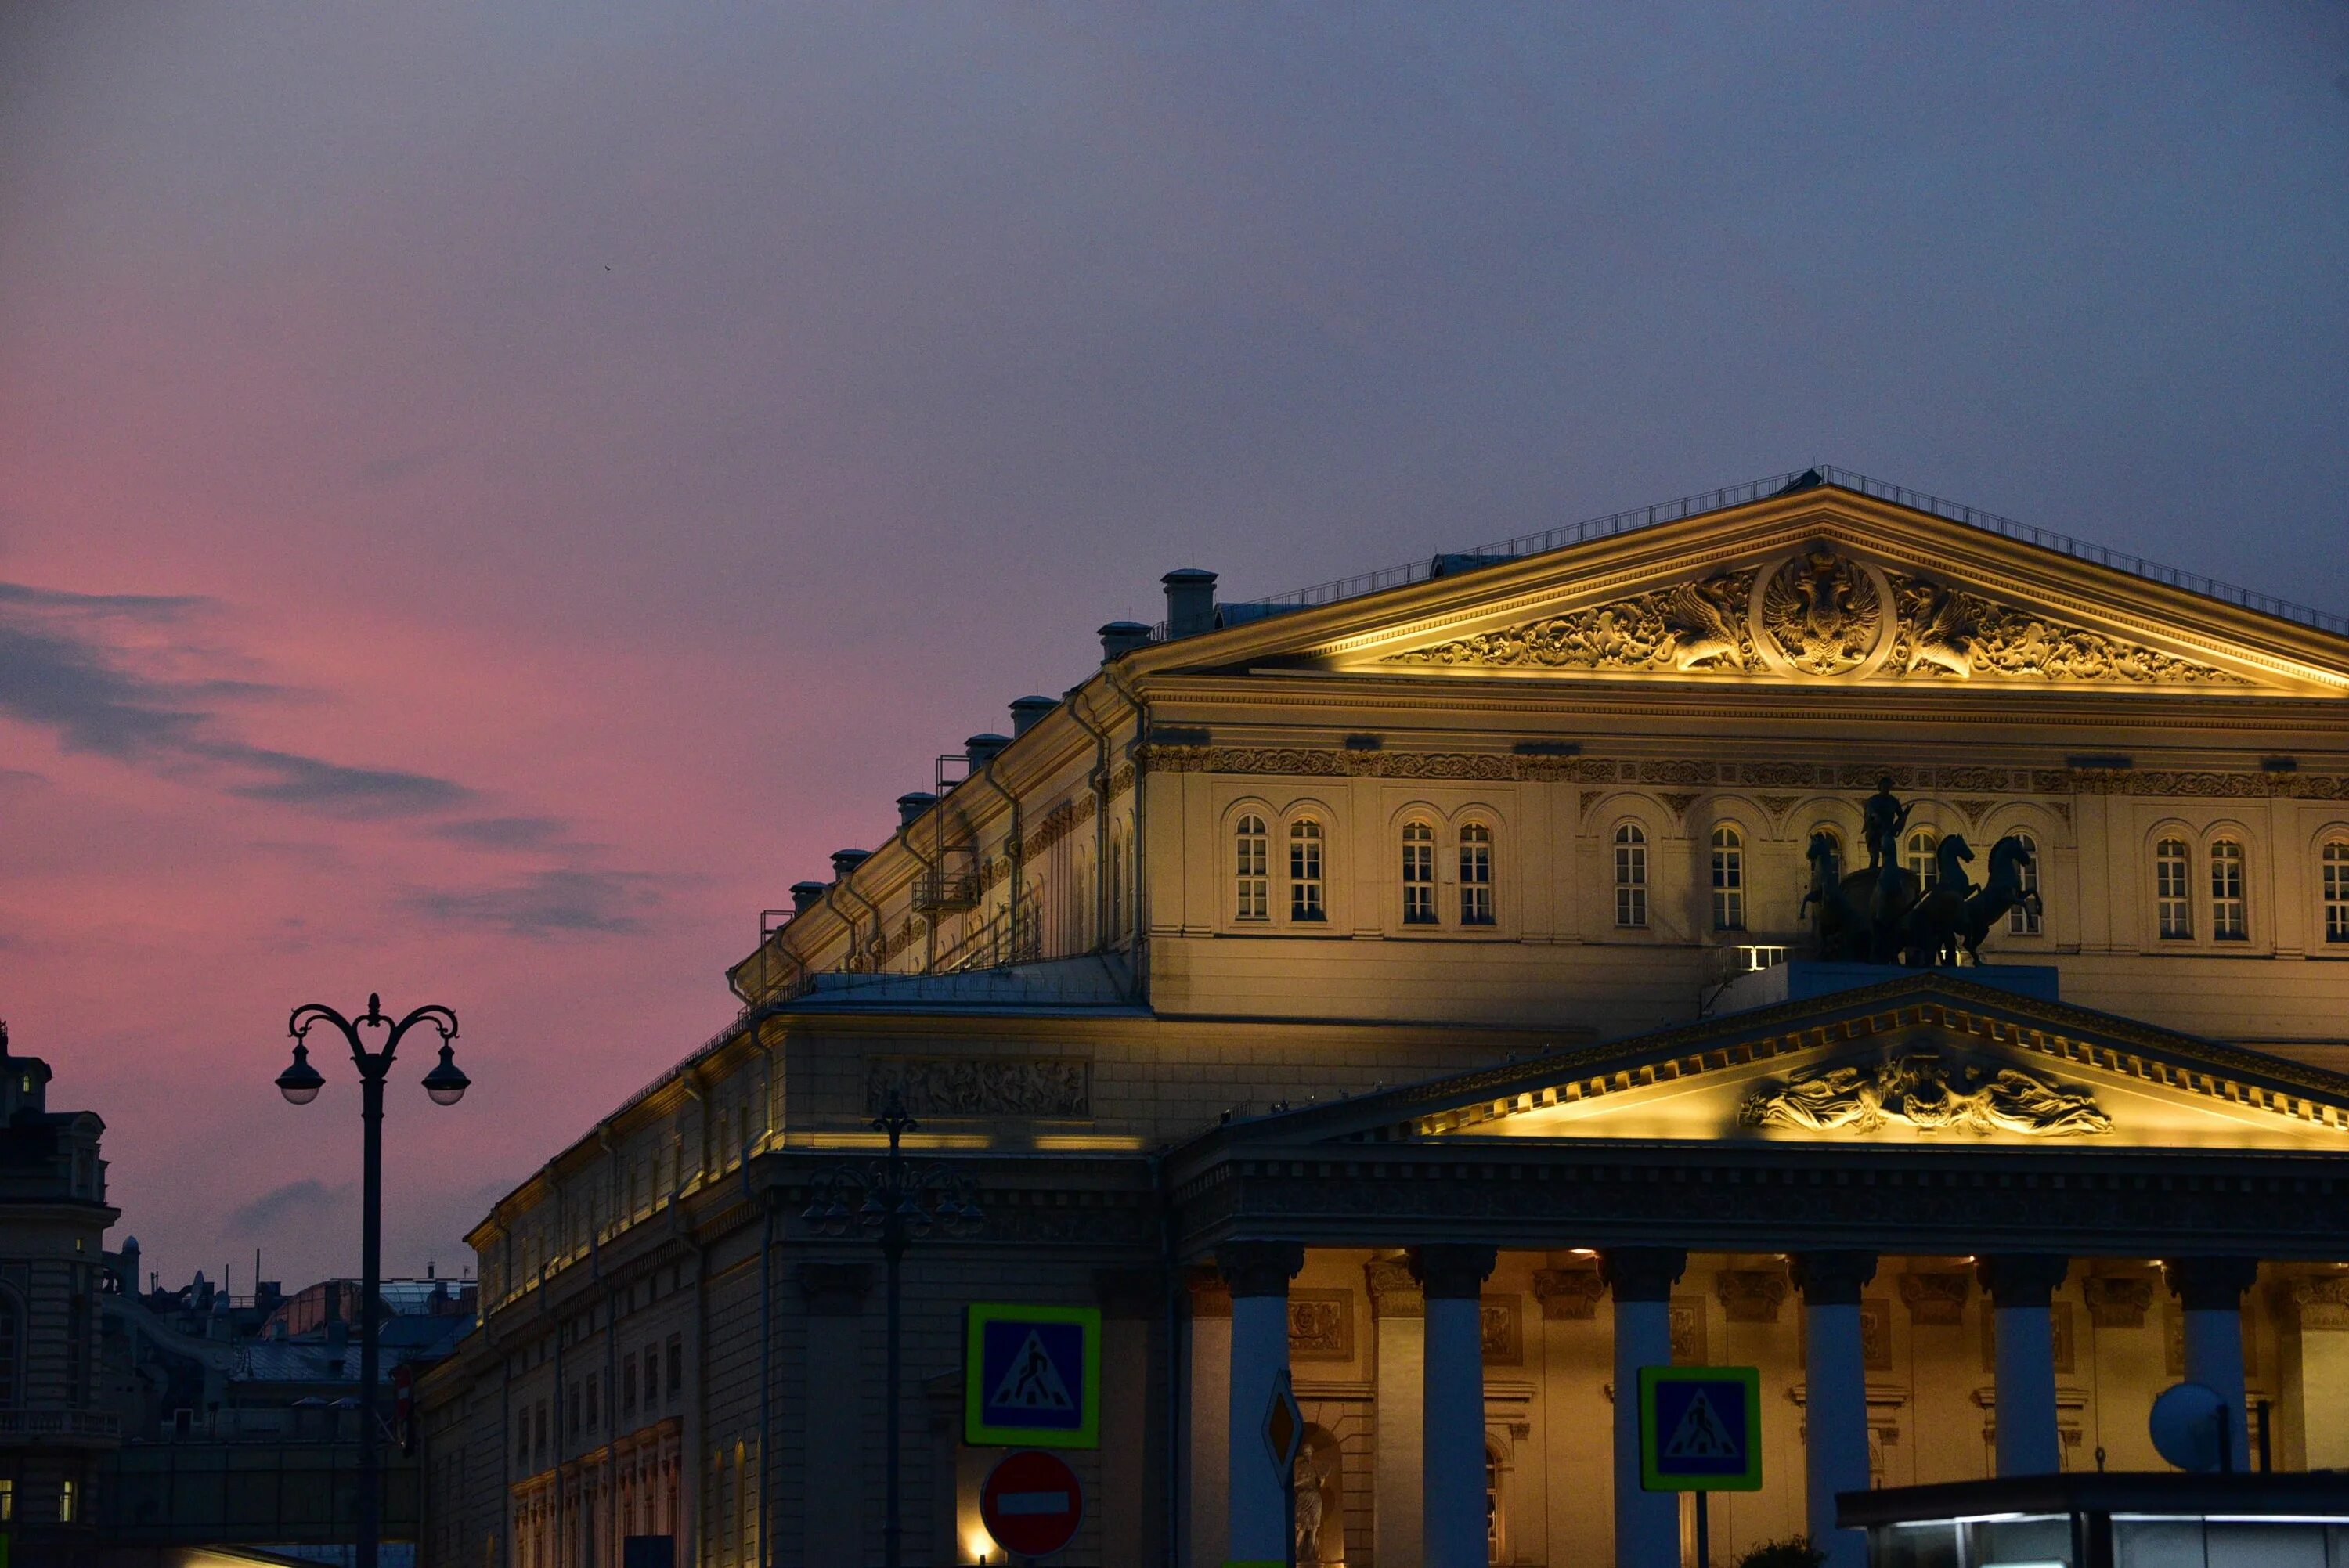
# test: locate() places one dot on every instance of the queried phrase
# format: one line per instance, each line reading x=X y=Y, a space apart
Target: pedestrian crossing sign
x=1700 y=1429
x=1031 y=1377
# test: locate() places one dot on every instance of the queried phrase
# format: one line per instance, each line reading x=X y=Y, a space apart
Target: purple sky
x=490 y=494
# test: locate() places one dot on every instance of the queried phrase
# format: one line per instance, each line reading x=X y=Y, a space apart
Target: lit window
x=2336 y=893
x=65 y=1502
x=2227 y=918
x=1630 y=876
x=1418 y=874
x=1251 y=897
x=1475 y=874
x=1922 y=861
x=2023 y=920
x=8 y=1500
x=1305 y=872
x=1728 y=880
x=2173 y=911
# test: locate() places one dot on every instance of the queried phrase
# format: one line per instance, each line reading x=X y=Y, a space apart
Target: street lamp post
x=300 y=1083
x=902 y=1204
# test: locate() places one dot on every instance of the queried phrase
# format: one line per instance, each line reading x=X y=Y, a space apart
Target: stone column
x=1452 y=1444
x=1647 y=1523
x=834 y=1295
x=2211 y=1291
x=1260 y=1526
x=1398 y=1311
x=1132 y=1301
x=1209 y=1359
x=1835 y=1396
x=2021 y=1286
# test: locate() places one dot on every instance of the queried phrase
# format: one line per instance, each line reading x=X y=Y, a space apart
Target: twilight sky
x=492 y=493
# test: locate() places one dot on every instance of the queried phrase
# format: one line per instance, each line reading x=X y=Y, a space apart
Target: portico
x=1783 y=1248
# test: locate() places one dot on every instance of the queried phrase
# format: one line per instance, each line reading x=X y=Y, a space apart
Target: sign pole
x=1703 y=1534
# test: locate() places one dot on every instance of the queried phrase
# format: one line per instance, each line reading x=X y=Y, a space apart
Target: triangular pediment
x=1827 y=585
x=1930 y=1058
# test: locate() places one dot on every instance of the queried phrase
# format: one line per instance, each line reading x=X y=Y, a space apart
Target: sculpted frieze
x=1920 y=1090
x=1819 y=615
x=982 y=1086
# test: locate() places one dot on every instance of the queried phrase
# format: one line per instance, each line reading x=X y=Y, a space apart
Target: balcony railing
x=945 y=893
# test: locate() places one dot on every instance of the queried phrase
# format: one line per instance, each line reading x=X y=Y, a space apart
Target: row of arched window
x=2220 y=908
x=1307 y=884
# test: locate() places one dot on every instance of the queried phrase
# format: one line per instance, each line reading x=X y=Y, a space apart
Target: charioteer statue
x=1889 y=915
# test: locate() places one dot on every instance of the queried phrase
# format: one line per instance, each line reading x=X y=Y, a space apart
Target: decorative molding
x=1569 y=1295
x=1917 y=1089
x=1322 y=1326
x=1312 y=762
x=1677 y=803
x=1686 y=628
x=1503 y=1323
x=1818 y=614
x=1209 y=1297
x=1779 y=805
x=1875 y=1334
x=1936 y=1296
x=2118 y=1301
x=982 y=1086
x=1749 y=1295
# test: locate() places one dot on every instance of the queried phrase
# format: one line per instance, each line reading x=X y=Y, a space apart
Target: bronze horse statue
x=1949 y=919
x=1861 y=914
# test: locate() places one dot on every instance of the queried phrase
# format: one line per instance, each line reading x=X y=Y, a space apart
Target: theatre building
x=1462 y=987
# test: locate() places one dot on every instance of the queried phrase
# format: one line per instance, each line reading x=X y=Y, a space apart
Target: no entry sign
x=1031 y=1503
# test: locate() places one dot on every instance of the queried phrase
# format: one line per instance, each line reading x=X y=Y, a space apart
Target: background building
x=54 y=1431
x=1388 y=983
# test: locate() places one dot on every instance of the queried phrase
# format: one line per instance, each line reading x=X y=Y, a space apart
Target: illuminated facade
x=1393 y=989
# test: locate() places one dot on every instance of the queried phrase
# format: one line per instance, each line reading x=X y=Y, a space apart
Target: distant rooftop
x=1688 y=506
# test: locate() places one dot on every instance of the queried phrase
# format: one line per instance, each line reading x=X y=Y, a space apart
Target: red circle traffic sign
x=1031 y=1503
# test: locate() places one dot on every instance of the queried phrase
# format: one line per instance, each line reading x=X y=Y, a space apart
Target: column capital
x=1209 y=1296
x=1451 y=1271
x=1260 y=1268
x=1832 y=1278
x=1641 y=1273
x=2210 y=1284
x=1393 y=1288
x=2021 y=1279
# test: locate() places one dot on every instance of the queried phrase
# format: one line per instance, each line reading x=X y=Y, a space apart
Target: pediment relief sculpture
x=1923 y=1091
x=1819 y=615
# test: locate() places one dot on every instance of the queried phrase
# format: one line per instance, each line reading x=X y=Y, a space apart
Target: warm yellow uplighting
x=913 y=1140
x=1087 y=1141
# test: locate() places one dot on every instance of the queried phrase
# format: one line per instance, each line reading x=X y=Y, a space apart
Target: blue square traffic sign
x=1031 y=1377
x=1700 y=1429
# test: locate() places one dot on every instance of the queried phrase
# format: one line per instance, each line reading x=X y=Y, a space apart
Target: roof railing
x=1697 y=505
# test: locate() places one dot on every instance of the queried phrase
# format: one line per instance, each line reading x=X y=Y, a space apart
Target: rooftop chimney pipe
x=910 y=806
x=846 y=860
x=983 y=747
x=804 y=894
x=1190 y=602
x=1120 y=638
x=1027 y=710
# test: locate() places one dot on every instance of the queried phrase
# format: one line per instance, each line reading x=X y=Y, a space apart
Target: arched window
x=1251 y=887
x=1418 y=874
x=1728 y=880
x=1921 y=859
x=2023 y=919
x=1630 y=876
x=2229 y=921
x=2173 y=909
x=2336 y=892
x=1305 y=901
x=1475 y=874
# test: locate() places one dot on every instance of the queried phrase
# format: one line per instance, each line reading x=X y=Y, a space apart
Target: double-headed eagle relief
x=1918 y=1089
x=1823 y=612
x=1819 y=615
